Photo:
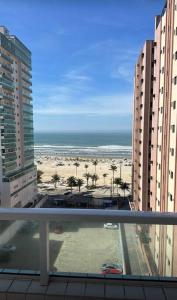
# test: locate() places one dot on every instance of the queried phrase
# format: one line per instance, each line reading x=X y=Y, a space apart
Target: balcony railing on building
x=94 y=243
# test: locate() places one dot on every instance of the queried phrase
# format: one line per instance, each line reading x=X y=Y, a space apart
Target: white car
x=110 y=226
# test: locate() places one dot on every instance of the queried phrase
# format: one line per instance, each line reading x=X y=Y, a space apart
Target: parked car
x=109 y=265
x=111 y=269
x=111 y=226
x=7 y=248
x=5 y=252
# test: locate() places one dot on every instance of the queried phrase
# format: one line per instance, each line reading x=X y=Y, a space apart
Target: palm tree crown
x=124 y=187
x=79 y=183
x=55 y=179
x=104 y=176
x=87 y=176
x=71 y=181
x=95 y=162
x=86 y=166
x=94 y=178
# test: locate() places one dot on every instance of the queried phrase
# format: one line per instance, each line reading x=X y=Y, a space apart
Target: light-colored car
x=111 y=226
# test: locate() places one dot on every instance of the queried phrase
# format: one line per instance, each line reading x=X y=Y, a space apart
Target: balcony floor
x=23 y=288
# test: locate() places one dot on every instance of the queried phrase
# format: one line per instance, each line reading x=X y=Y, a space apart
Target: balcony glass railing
x=94 y=243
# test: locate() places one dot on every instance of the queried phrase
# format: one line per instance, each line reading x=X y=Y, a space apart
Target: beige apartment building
x=162 y=158
x=17 y=171
x=143 y=94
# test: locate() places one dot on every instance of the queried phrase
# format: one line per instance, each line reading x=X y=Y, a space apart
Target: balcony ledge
x=72 y=289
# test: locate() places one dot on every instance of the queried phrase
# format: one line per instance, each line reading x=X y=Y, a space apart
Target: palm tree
x=86 y=167
x=79 y=183
x=95 y=162
x=113 y=169
x=124 y=187
x=55 y=179
x=87 y=176
x=71 y=181
x=94 y=178
x=76 y=164
x=39 y=175
x=118 y=182
x=104 y=176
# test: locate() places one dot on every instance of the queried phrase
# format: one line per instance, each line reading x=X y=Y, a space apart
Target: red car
x=112 y=271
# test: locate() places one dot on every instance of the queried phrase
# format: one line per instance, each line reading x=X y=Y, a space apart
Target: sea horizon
x=84 y=143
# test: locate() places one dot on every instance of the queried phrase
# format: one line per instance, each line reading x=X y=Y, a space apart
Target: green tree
x=124 y=187
x=118 y=182
x=87 y=177
x=55 y=179
x=80 y=183
x=39 y=175
x=113 y=168
x=95 y=163
x=94 y=178
x=76 y=164
x=71 y=182
x=104 y=176
x=86 y=167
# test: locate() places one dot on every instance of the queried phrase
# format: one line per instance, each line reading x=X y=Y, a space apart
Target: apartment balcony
x=6 y=57
x=6 y=83
x=7 y=67
x=27 y=72
x=26 y=80
x=60 y=254
x=27 y=88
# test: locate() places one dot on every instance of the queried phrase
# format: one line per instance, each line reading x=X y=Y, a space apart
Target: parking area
x=78 y=247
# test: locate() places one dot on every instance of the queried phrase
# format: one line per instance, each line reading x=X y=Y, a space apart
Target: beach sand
x=52 y=165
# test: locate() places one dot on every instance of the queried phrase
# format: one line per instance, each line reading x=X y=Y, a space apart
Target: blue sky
x=83 y=54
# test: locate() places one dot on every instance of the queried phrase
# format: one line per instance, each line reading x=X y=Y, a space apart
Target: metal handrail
x=89 y=215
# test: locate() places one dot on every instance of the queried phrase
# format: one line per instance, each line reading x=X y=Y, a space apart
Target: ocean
x=82 y=144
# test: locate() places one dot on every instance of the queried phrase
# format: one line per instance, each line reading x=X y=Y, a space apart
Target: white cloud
x=123 y=71
x=76 y=75
x=62 y=100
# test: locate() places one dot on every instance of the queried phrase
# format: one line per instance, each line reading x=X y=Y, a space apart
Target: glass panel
x=114 y=249
x=84 y=247
x=19 y=245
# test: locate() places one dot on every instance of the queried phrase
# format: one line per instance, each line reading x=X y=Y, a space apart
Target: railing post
x=44 y=252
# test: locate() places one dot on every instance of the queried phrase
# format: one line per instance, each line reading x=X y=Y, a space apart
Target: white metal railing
x=44 y=215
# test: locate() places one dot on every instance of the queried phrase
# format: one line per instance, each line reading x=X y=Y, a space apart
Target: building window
x=173 y=104
x=175 y=80
x=175 y=55
x=171 y=174
x=161 y=110
x=162 y=90
x=173 y=128
x=172 y=151
x=168 y=262
x=171 y=197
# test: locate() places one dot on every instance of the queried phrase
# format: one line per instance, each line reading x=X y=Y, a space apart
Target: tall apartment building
x=143 y=94
x=162 y=174
x=17 y=170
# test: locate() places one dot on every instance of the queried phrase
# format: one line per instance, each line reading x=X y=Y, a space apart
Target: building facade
x=17 y=171
x=162 y=173
x=143 y=94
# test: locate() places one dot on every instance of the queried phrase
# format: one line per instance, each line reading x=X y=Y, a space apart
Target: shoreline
x=64 y=167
